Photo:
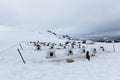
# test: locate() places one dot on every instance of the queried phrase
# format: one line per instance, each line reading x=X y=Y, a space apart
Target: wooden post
x=79 y=45
x=21 y=56
x=113 y=45
x=21 y=46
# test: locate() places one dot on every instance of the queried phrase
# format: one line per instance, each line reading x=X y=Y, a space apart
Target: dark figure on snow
x=79 y=45
x=51 y=52
x=34 y=43
x=70 y=52
x=38 y=47
x=87 y=55
x=102 y=48
x=64 y=47
x=72 y=45
x=83 y=49
x=48 y=44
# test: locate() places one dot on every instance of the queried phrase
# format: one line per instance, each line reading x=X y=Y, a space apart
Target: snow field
x=103 y=66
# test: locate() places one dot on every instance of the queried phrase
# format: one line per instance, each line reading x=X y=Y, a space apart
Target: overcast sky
x=62 y=16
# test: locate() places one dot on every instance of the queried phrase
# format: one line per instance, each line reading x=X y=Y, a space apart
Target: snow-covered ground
x=103 y=66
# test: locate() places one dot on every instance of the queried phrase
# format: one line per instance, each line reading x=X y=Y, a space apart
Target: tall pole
x=21 y=46
x=113 y=45
x=21 y=56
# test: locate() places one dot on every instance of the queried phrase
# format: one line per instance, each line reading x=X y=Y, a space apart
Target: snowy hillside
x=14 y=37
x=103 y=66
